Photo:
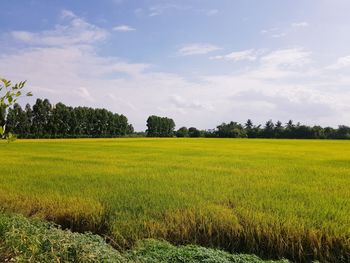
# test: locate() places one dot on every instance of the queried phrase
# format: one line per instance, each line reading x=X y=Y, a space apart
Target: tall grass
x=274 y=198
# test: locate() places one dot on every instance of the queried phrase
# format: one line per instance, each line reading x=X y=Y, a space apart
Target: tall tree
x=249 y=124
x=160 y=126
x=269 y=129
x=249 y=129
x=278 y=130
x=28 y=122
x=16 y=120
x=39 y=118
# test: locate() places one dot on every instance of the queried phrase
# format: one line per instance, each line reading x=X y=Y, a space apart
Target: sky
x=200 y=62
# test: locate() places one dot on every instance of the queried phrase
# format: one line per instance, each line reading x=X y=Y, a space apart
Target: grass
x=24 y=240
x=273 y=198
x=29 y=240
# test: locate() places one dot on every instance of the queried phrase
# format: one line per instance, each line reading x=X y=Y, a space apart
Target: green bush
x=149 y=251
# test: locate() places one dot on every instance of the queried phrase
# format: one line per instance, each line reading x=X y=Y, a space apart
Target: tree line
x=249 y=130
x=46 y=120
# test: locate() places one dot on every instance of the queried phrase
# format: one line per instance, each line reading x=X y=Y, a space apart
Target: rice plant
x=274 y=198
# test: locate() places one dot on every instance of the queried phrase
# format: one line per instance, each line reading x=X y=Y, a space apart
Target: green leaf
x=7 y=83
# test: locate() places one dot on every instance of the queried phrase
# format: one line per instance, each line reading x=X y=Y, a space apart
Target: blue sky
x=201 y=62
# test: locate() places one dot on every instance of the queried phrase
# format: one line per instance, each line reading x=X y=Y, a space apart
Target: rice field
x=273 y=198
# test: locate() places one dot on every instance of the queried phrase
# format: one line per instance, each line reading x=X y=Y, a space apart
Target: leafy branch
x=9 y=94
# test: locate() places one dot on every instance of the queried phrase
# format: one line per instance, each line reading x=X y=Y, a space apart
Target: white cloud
x=270 y=30
x=342 y=62
x=247 y=55
x=67 y=14
x=282 y=65
x=212 y=12
x=23 y=36
x=300 y=24
x=283 y=103
x=280 y=35
x=75 y=31
x=123 y=28
x=274 y=32
x=181 y=103
x=290 y=57
x=157 y=10
x=84 y=93
x=197 y=49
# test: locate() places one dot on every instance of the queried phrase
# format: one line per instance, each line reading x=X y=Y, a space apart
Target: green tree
x=182 y=132
x=153 y=126
x=27 y=126
x=160 y=126
x=16 y=121
x=194 y=132
x=59 y=121
x=249 y=124
x=231 y=130
x=269 y=129
x=41 y=117
x=279 y=130
x=249 y=128
x=343 y=132
x=329 y=132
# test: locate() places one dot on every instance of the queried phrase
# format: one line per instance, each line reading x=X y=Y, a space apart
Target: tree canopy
x=45 y=120
x=160 y=126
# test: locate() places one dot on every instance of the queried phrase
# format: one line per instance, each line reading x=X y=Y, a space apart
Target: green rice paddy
x=273 y=198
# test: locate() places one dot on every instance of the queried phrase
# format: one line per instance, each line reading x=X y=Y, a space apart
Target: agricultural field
x=273 y=198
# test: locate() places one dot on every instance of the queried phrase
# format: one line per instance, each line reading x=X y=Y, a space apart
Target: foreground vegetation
x=24 y=240
x=273 y=198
